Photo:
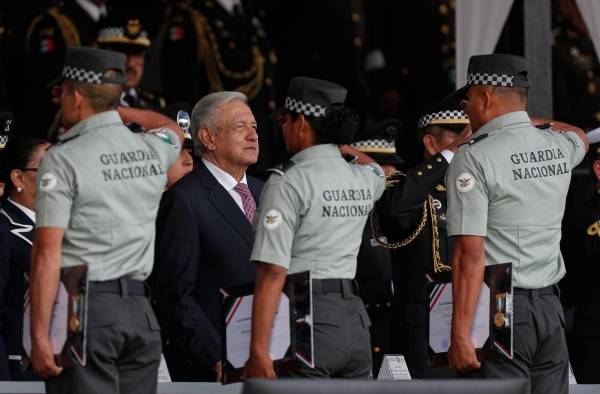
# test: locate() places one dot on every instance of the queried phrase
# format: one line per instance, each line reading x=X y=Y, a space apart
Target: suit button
x=358 y=41
x=367 y=306
x=429 y=167
x=355 y=17
x=268 y=81
x=378 y=306
x=376 y=349
x=439 y=159
x=388 y=304
x=271 y=104
x=419 y=173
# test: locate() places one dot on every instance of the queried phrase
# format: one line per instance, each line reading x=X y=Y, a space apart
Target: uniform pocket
x=101 y=317
x=326 y=310
x=152 y=321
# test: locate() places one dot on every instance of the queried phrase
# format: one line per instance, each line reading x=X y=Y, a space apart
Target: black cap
x=380 y=141
x=89 y=65
x=446 y=112
x=312 y=97
x=7 y=125
x=497 y=70
x=124 y=34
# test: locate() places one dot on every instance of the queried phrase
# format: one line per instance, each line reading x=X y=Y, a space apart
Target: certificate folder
x=491 y=332
x=291 y=336
x=68 y=320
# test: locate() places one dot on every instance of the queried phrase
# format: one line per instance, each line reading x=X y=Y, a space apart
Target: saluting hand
x=462 y=357
x=463 y=137
x=42 y=359
x=259 y=367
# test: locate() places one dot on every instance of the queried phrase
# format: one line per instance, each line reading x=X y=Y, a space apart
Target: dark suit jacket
x=16 y=235
x=203 y=243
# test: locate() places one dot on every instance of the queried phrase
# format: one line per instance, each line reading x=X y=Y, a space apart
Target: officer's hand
x=259 y=367
x=462 y=357
x=42 y=359
x=463 y=137
x=218 y=370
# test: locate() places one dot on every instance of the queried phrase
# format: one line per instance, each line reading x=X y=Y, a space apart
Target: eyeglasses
x=463 y=104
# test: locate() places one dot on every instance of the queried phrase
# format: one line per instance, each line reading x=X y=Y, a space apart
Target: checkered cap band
x=108 y=32
x=490 y=79
x=81 y=75
x=370 y=144
x=3 y=141
x=308 y=109
x=449 y=116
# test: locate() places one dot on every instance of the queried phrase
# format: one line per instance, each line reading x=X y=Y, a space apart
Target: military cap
x=89 y=65
x=312 y=97
x=447 y=111
x=497 y=70
x=7 y=125
x=126 y=34
x=380 y=141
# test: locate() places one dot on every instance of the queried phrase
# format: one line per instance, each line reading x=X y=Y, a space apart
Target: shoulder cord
x=438 y=266
x=208 y=52
x=68 y=29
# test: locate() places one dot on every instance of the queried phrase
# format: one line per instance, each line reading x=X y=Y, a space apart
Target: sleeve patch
x=48 y=182
x=273 y=219
x=164 y=136
x=465 y=182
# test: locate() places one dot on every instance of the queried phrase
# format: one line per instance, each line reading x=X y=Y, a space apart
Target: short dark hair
x=100 y=97
x=17 y=155
x=338 y=126
x=437 y=130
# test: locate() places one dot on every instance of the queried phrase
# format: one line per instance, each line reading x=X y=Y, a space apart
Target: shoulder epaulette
x=474 y=140
x=280 y=169
x=544 y=126
x=64 y=141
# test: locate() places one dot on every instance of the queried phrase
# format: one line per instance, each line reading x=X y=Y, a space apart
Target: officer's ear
x=596 y=169
x=207 y=138
x=486 y=99
x=16 y=177
x=430 y=144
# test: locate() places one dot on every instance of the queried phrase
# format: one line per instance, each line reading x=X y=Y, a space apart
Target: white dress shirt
x=227 y=181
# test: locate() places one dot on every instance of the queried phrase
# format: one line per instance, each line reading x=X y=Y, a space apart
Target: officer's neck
x=235 y=170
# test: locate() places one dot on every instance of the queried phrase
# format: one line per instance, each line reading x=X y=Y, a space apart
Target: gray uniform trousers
x=539 y=346
x=342 y=343
x=123 y=348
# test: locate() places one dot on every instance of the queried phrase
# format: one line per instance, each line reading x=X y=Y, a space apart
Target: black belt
x=334 y=286
x=550 y=290
x=121 y=286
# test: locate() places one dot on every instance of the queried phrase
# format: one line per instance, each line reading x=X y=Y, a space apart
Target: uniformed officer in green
x=506 y=198
x=311 y=217
x=98 y=194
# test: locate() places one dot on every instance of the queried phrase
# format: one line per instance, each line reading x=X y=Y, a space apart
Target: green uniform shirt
x=102 y=184
x=510 y=187
x=312 y=216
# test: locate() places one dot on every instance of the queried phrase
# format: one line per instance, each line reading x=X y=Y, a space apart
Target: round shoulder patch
x=465 y=182
x=48 y=182
x=272 y=219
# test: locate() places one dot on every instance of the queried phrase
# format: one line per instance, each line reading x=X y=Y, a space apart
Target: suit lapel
x=21 y=225
x=224 y=203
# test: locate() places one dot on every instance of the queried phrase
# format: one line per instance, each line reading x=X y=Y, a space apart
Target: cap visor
x=55 y=82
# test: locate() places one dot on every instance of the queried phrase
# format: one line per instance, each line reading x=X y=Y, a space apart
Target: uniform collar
x=30 y=214
x=93 y=122
x=321 y=150
x=503 y=121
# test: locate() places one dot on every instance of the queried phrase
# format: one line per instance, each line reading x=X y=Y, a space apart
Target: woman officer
x=311 y=217
x=21 y=159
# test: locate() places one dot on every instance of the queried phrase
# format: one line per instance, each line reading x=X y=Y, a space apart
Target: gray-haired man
x=204 y=236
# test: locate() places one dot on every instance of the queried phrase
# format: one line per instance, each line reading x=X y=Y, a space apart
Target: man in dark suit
x=204 y=236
